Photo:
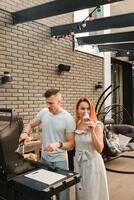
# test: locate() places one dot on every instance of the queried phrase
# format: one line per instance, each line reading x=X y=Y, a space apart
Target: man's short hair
x=51 y=92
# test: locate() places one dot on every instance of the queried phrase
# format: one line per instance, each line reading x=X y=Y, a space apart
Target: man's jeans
x=63 y=165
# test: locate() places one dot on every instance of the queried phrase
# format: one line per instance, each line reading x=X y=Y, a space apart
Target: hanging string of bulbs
x=70 y=34
x=79 y=26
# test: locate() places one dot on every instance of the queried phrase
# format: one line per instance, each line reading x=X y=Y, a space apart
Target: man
x=57 y=132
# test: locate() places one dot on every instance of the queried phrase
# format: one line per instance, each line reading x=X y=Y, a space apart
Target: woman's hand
x=90 y=125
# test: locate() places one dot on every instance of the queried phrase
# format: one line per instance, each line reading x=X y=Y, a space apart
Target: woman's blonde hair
x=91 y=107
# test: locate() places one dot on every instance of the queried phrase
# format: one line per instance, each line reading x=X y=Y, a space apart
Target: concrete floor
x=121 y=186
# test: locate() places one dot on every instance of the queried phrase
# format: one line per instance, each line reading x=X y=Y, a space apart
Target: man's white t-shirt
x=54 y=129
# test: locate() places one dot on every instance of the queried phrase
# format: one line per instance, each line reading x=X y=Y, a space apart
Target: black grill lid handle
x=13 y=112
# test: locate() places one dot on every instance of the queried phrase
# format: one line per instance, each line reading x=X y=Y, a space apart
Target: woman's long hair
x=91 y=107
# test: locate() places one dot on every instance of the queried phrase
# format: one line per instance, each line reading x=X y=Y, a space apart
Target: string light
x=72 y=33
x=127 y=52
x=91 y=18
x=82 y=24
x=98 y=9
x=79 y=27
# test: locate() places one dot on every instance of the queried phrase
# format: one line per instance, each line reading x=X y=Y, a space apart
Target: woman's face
x=83 y=107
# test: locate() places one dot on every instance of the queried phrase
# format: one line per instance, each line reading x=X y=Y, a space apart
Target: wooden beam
x=131 y=57
x=115 y=47
x=121 y=53
x=106 y=38
x=54 y=8
x=118 y=21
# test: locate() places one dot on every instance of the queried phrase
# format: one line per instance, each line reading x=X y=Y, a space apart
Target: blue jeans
x=63 y=165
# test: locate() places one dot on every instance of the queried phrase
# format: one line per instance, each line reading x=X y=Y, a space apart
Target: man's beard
x=55 y=111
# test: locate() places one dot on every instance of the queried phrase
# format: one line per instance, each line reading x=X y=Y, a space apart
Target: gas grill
x=22 y=179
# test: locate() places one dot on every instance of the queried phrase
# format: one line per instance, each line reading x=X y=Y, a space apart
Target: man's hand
x=23 y=136
x=52 y=147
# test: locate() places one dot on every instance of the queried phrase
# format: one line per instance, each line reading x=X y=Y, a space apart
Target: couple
x=60 y=134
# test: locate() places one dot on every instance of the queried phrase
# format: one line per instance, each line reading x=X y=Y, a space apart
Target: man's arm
x=33 y=123
x=68 y=145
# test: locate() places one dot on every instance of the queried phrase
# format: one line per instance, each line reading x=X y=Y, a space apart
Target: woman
x=88 y=161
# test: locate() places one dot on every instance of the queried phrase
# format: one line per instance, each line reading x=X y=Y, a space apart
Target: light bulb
x=84 y=24
x=98 y=9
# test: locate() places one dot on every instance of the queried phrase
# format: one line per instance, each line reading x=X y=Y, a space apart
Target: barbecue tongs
x=21 y=148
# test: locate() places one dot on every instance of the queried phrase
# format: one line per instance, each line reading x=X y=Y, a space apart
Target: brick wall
x=31 y=56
